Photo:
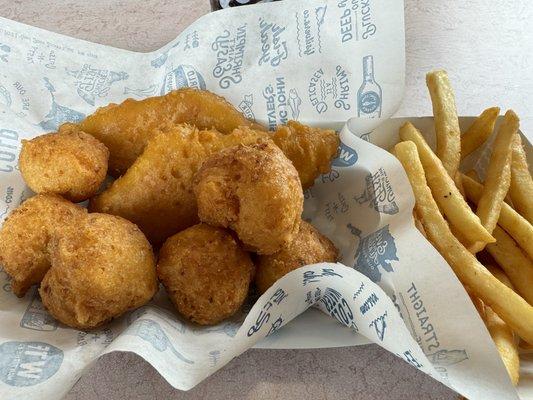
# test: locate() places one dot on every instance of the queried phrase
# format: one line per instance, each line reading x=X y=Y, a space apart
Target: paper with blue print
x=323 y=63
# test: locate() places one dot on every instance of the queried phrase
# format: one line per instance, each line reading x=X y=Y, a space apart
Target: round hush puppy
x=70 y=163
x=205 y=272
x=308 y=247
x=25 y=234
x=255 y=191
x=100 y=269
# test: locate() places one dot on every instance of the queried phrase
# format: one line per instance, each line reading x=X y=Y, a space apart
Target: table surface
x=487 y=49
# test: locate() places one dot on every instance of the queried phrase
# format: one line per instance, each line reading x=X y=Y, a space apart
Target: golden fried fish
x=311 y=150
x=126 y=128
x=156 y=191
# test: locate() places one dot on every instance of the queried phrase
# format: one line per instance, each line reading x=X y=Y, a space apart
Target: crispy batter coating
x=205 y=272
x=310 y=150
x=156 y=191
x=100 y=269
x=25 y=234
x=70 y=163
x=126 y=128
x=254 y=190
x=308 y=247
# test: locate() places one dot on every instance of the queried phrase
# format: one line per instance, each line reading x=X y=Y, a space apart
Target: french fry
x=517 y=266
x=445 y=192
x=498 y=176
x=477 y=302
x=500 y=275
x=502 y=335
x=446 y=120
x=513 y=309
x=474 y=175
x=521 y=188
x=512 y=222
x=503 y=338
x=418 y=224
x=479 y=131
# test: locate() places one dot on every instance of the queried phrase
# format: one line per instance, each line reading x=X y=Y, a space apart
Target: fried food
x=515 y=225
x=308 y=247
x=444 y=190
x=69 y=163
x=126 y=128
x=446 y=120
x=498 y=177
x=101 y=268
x=479 y=131
x=511 y=308
x=502 y=335
x=156 y=191
x=310 y=150
x=25 y=234
x=517 y=266
x=521 y=189
x=205 y=272
x=255 y=191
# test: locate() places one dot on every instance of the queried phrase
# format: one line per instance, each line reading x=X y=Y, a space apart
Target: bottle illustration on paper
x=369 y=95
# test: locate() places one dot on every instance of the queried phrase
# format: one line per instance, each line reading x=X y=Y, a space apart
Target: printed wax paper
x=323 y=63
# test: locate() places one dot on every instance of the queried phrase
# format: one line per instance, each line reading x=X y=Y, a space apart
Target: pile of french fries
x=483 y=229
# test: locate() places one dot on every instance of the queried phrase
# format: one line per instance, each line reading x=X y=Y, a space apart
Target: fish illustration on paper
x=159 y=61
x=294 y=103
x=229 y=328
x=446 y=358
x=151 y=331
x=149 y=91
x=58 y=113
x=92 y=83
x=375 y=253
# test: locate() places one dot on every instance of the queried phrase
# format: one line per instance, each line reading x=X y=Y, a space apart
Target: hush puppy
x=101 y=268
x=126 y=128
x=255 y=191
x=308 y=247
x=70 y=163
x=25 y=234
x=205 y=272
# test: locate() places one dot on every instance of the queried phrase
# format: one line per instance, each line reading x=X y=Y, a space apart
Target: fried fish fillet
x=310 y=150
x=156 y=191
x=253 y=190
x=126 y=128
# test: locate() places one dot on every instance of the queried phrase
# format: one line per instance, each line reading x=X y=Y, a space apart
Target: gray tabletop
x=486 y=47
